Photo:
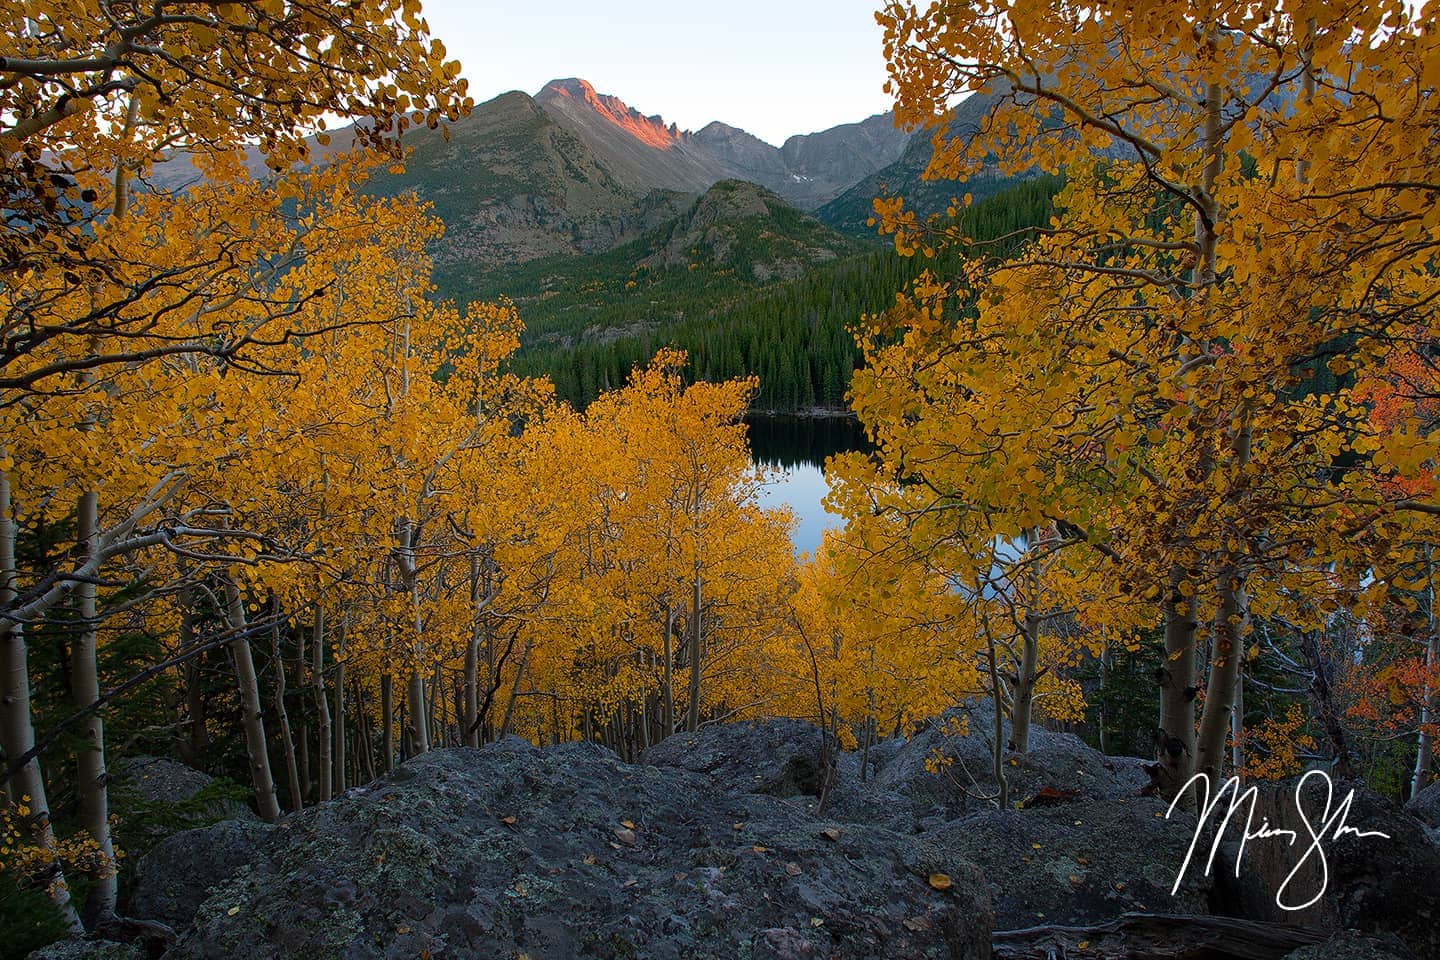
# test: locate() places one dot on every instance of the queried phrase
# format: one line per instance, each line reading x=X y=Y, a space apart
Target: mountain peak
x=575 y=92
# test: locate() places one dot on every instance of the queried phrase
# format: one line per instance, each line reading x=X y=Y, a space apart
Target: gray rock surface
x=1079 y=863
x=570 y=852
x=87 y=950
x=161 y=782
x=963 y=781
x=1371 y=884
x=776 y=757
x=159 y=779
x=1426 y=805
x=1349 y=945
x=174 y=878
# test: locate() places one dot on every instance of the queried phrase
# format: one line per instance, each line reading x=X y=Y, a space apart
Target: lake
x=798 y=447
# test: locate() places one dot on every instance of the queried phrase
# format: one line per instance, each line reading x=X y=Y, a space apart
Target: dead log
x=1154 y=936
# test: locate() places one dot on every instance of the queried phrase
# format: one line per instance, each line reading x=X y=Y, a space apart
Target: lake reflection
x=798 y=447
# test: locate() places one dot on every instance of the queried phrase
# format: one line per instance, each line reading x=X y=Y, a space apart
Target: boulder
x=159 y=779
x=1371 y=884
x=1425 y=805
x=568 y=852
x=1349 y=945
x=156 y=798
x=175 y=877
x=87 y=950
x=946 y=771
x=780 y=758
x=1080 y=862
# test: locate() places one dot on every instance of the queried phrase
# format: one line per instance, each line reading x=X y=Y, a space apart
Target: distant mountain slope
x=511 y=184
x=793 y=334
x=640 y=152
x=850 y=209
x=644 y=152
x=572 y=171
x=735 y=238
x=832 y=160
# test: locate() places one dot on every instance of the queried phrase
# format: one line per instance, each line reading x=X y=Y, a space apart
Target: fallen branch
x=1150 y=936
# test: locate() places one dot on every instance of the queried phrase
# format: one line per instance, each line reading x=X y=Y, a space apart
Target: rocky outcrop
x=1348 y=945
x=1425 y=806
x=947 y=770
x=87 y=950
x=781 y=758
x=1372 y=884
x=1079 y=862
x=750 y=229
x=567 y=852
x=713 y=846
x=174 y=878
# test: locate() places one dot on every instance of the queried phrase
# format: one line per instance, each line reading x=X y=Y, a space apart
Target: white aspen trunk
x=1425 y=746
x=470 y=727
x=515 y=690
x=1229 y=651
x=435 y=714
x=668 y=720
x=302 y=738
x=17 y=732
x=1024 y=699
x=340 y=706
x=367 y=745
x=255 y=745
x=91 y=778
x=287 y=737
x=417 y=730
x=1237 y=729
x=997 y=754
x=1176 y=747
x=697 y=650
x=322 y=705
x=199 y=736
x=387 y=721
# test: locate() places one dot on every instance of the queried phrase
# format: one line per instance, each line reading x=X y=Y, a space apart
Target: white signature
x=1331 y=826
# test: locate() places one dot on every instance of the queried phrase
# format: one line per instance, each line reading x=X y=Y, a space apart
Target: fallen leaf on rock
x=817 y=921
x=625 y=835
x=941 y=881
x=588 y=860
x=757 y=849
x=630 y=883
x=830 y=833
x=1049 y=796
x=508 y=821
x=793 y=869
x=232 y=911
x=404 y=928
x=1075 y=879
x=627 y=824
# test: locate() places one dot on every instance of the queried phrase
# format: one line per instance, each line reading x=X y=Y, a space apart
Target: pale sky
x=771 y=67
